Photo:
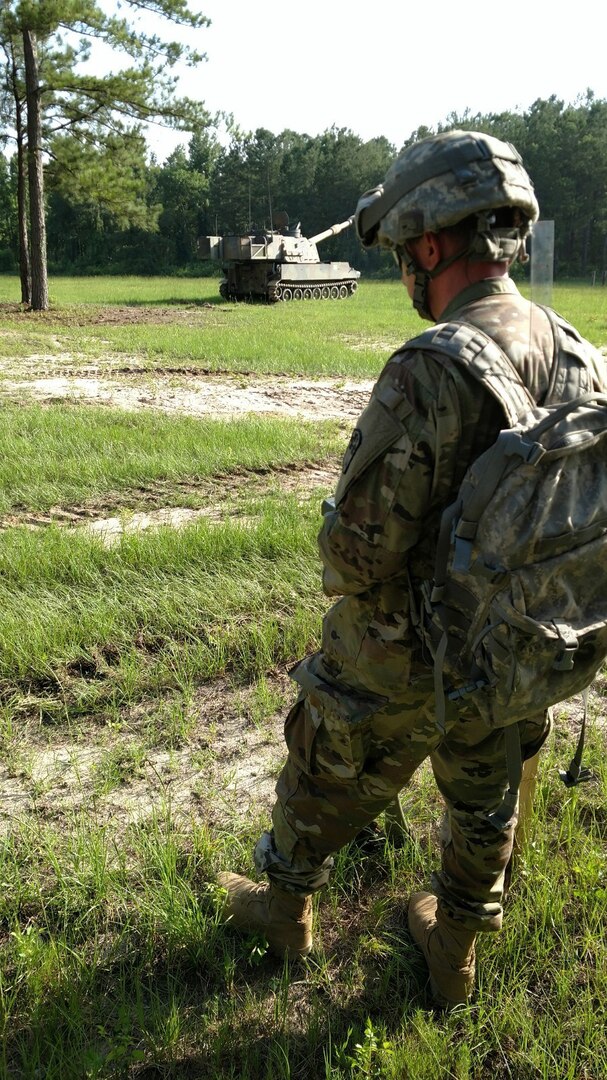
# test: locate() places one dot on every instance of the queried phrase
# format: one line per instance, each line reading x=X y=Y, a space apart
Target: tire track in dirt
x=225 y=397
x=157 y=505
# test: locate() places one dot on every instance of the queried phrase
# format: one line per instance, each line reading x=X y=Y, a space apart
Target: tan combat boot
x=447 y=947
x=284 y=918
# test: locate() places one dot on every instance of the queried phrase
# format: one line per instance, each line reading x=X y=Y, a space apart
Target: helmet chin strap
x=491 y=245
x=424 y=277
x=420 y=294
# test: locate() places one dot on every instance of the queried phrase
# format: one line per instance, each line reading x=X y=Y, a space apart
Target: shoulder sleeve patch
x=356 y=439
x=376 y=430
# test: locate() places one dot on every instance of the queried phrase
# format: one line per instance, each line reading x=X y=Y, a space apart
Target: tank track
x=334 y=290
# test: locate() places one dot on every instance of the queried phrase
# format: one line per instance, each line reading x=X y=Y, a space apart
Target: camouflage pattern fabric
x=442 y=200
x=427 y=420
x=365 y=717
x=349 y=756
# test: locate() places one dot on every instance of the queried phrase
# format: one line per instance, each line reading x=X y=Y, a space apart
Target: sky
x=387 y=68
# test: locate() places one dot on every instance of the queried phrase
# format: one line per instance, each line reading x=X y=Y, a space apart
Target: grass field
x=142 y=690
x=193 y=327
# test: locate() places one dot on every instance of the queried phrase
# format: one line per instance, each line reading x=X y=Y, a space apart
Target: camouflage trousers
x=350 y=754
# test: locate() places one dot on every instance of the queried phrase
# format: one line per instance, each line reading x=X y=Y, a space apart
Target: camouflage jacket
x=426 y=421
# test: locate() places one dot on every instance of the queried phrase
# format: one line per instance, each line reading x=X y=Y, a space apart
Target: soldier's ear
x=425 y=250
x=428 y=250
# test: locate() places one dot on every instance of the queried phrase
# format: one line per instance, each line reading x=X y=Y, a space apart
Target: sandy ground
x=224 y=771
x=199 y=395
x=226 y=768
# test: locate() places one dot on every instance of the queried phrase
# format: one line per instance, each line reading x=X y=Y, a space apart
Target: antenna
x=270 y=198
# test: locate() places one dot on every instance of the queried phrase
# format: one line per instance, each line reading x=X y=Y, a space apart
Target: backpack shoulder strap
x=577 y=367
x=484 y=359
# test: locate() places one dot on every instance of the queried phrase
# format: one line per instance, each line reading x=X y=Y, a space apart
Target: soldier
x=455 y=210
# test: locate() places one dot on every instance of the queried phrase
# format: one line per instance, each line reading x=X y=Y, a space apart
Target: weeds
x=115 y=959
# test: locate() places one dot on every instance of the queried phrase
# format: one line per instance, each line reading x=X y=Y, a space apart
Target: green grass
x=352 y=337
x=586 y=308
x=67 y=454
x=155 y=611
x=113 y=961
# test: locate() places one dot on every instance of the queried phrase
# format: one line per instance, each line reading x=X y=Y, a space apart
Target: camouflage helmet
x=439 y=181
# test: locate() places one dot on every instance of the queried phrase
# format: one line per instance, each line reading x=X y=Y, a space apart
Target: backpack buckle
x=463 y=691
x=565 y=660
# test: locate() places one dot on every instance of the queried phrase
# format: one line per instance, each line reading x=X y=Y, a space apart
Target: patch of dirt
x=178 y=310
x=224 y=770
x=210 y=395
x=109 y=530
x=386 y=347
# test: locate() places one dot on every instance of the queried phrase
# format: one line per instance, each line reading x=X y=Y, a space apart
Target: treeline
x=212 y=188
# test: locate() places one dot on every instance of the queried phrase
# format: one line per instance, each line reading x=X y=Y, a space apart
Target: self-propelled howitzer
x=279 y=264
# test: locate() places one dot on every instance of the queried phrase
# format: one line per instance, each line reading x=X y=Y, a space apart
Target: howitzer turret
x=279 y=264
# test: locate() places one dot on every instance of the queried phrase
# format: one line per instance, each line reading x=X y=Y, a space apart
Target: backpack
x=516 y=614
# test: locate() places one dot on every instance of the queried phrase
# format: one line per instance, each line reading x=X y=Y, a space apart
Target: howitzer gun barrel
x=333 y=231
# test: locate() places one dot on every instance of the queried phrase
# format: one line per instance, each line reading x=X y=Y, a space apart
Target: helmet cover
x=439 y=181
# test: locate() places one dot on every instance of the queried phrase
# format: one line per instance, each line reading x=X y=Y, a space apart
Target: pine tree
x=94 y=118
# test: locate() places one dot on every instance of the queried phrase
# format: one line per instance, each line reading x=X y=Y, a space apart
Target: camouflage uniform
x=364 y=719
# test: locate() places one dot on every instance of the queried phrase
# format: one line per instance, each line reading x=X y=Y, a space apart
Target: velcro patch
x=355 y=441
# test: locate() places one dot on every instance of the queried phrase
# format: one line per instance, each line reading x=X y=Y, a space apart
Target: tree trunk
x=35 y=175
x=24 y=251
x=586 y=246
